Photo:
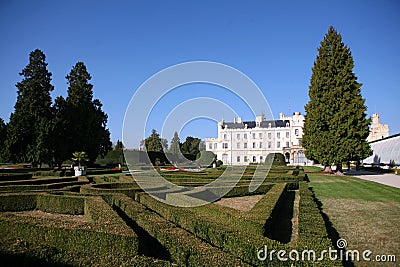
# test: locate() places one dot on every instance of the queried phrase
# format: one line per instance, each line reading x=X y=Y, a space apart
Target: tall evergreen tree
x=192 y=145
x=3 y=134
x=30 y=124
x=60 y=139
x=153 y=142
x=86 y=128
x=335 y=126
x=175 y=144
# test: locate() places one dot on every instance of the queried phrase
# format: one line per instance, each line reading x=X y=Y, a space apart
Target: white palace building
x=242 y=142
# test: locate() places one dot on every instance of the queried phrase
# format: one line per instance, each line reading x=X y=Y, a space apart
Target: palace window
x=287 y=134
x=269 y=144
x=278 y=135
x=225 y=136
x=238 y=159
x=278 y=144
x=245 y=136
x=287 y=144
x=254 y=145
x=254 y=158
x=261 y=145
x=260 y=135
x=245 y=159
x=215 y=145
x=225 y=145
x=210 y=145
x=254 y=135
x=269 y=135
x=296 y=132
x=237 y=145
x=245 y=145
x=238 y=136
x=261 y=158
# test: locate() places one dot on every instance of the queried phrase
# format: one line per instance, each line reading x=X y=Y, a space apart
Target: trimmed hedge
x=184 y=249
x=17 y=202
x=60 y=204
x=105 y=235
x=39 y=181
x=241 y=238
x=129 y=189
x=57 y=173
x=312 y=231
x=14 y=176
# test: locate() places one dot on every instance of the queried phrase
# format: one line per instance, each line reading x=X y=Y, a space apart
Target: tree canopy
x=192 y=145
x=153 y=142
x=86 y=122
x=3 y=134
x=175 y=144
x=335 y=126
x=30 y=125
x=41 y=132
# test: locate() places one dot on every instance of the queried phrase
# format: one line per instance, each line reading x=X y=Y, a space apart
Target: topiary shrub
x=278 y=159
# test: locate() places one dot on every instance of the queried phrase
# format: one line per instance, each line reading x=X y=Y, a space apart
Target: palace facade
x=243 y=142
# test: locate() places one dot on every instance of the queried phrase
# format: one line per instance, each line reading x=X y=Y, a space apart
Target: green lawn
x=364 y=213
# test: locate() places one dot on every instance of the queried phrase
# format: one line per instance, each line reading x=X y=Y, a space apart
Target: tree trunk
x=358 y=165
x=339 y=169
x=327 y=169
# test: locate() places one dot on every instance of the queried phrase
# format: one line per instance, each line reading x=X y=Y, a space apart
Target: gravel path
x=385 y=178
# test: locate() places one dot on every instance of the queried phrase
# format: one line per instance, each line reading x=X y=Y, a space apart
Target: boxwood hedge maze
x=48 y=218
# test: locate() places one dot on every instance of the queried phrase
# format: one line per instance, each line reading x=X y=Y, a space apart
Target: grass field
x=364 y=213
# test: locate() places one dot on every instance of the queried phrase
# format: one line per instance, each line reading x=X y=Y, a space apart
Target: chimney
x=281 y=116
x=234 y=119
x=239 y=120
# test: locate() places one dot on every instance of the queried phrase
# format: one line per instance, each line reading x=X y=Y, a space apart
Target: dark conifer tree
x=175 y=144
x=86 y=128
x=335 y=126
x=3 y=134
x=29 y=128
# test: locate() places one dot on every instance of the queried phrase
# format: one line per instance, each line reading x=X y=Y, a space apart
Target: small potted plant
x=80 y=158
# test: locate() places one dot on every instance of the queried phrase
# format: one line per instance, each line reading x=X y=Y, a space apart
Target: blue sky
x=274 y=43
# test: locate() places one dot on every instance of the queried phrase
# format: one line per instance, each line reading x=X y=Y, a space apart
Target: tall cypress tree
x=175 y=144
x=30 y=123
x=86 y=128
x=3 y=133
x=335 y=126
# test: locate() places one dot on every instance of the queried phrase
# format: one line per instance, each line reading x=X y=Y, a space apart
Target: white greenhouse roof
x=385 y=150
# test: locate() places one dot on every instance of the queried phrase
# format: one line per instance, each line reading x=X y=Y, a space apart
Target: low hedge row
x=14 y=176
x=57 y=173
x=39 y=181
x=225 y=230
x=103 y=234
x=101 y=171
x=184 y=248
x=312 y=233
x=17 y=202
x=60 y=204
x=106 y=188
x=19 y=188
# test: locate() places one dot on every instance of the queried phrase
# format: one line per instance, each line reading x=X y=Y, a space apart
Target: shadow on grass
x=333 y=234
x=279 y=225
x=148 y=245
x=27 y=254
